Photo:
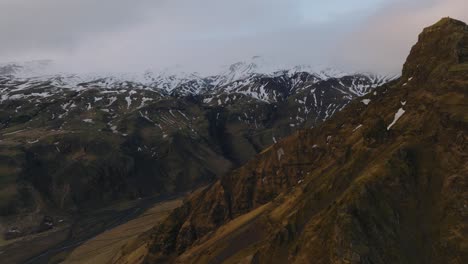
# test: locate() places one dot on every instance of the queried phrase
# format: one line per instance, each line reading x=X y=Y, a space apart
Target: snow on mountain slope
x=177 y=82
x=306 y=94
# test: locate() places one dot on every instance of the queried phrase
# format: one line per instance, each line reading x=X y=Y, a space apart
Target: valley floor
x=95 y=238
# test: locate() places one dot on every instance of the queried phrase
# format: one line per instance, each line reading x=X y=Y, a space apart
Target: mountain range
x=71 y=142
x=280 y=165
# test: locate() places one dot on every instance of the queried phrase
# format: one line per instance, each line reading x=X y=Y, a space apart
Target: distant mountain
x=70 y=142
x=174 y=81
x=383 y=181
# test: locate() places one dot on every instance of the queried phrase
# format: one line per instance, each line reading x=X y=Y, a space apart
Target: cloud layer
x=123 y=35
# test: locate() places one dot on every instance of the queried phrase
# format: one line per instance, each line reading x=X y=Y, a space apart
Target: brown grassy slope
x=351 y=190
x=107 y=245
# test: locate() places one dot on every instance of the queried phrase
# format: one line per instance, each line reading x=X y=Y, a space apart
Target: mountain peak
x=448 y=21
x=440 y=47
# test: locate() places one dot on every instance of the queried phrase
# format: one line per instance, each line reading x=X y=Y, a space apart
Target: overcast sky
x=133 y=35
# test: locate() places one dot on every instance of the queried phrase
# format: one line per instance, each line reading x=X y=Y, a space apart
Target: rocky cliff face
x=383 y=181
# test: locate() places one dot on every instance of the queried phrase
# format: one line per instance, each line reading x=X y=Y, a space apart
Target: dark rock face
x=463 y=50
x=379 y=182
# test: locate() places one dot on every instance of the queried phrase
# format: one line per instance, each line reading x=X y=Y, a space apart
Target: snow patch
x=366 y=101
x=280 y=153
x=112 y=100
x=129 y=101
x=397 y=116
x=358 y=127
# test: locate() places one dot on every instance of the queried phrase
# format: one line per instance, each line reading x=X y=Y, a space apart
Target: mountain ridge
x=166 y=81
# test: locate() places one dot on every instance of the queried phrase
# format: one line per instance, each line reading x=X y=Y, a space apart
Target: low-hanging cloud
x=124 y=35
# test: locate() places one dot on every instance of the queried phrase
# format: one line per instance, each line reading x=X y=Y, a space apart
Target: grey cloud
x=124 y=35
x=51 y=25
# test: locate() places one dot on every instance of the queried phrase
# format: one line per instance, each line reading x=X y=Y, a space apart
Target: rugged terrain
x=70 y=143
x=380 y=182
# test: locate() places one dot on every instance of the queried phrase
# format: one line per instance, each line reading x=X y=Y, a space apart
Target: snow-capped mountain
x=258 y=96
x=233 y=78
x=251 y=96
x=123 y=135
